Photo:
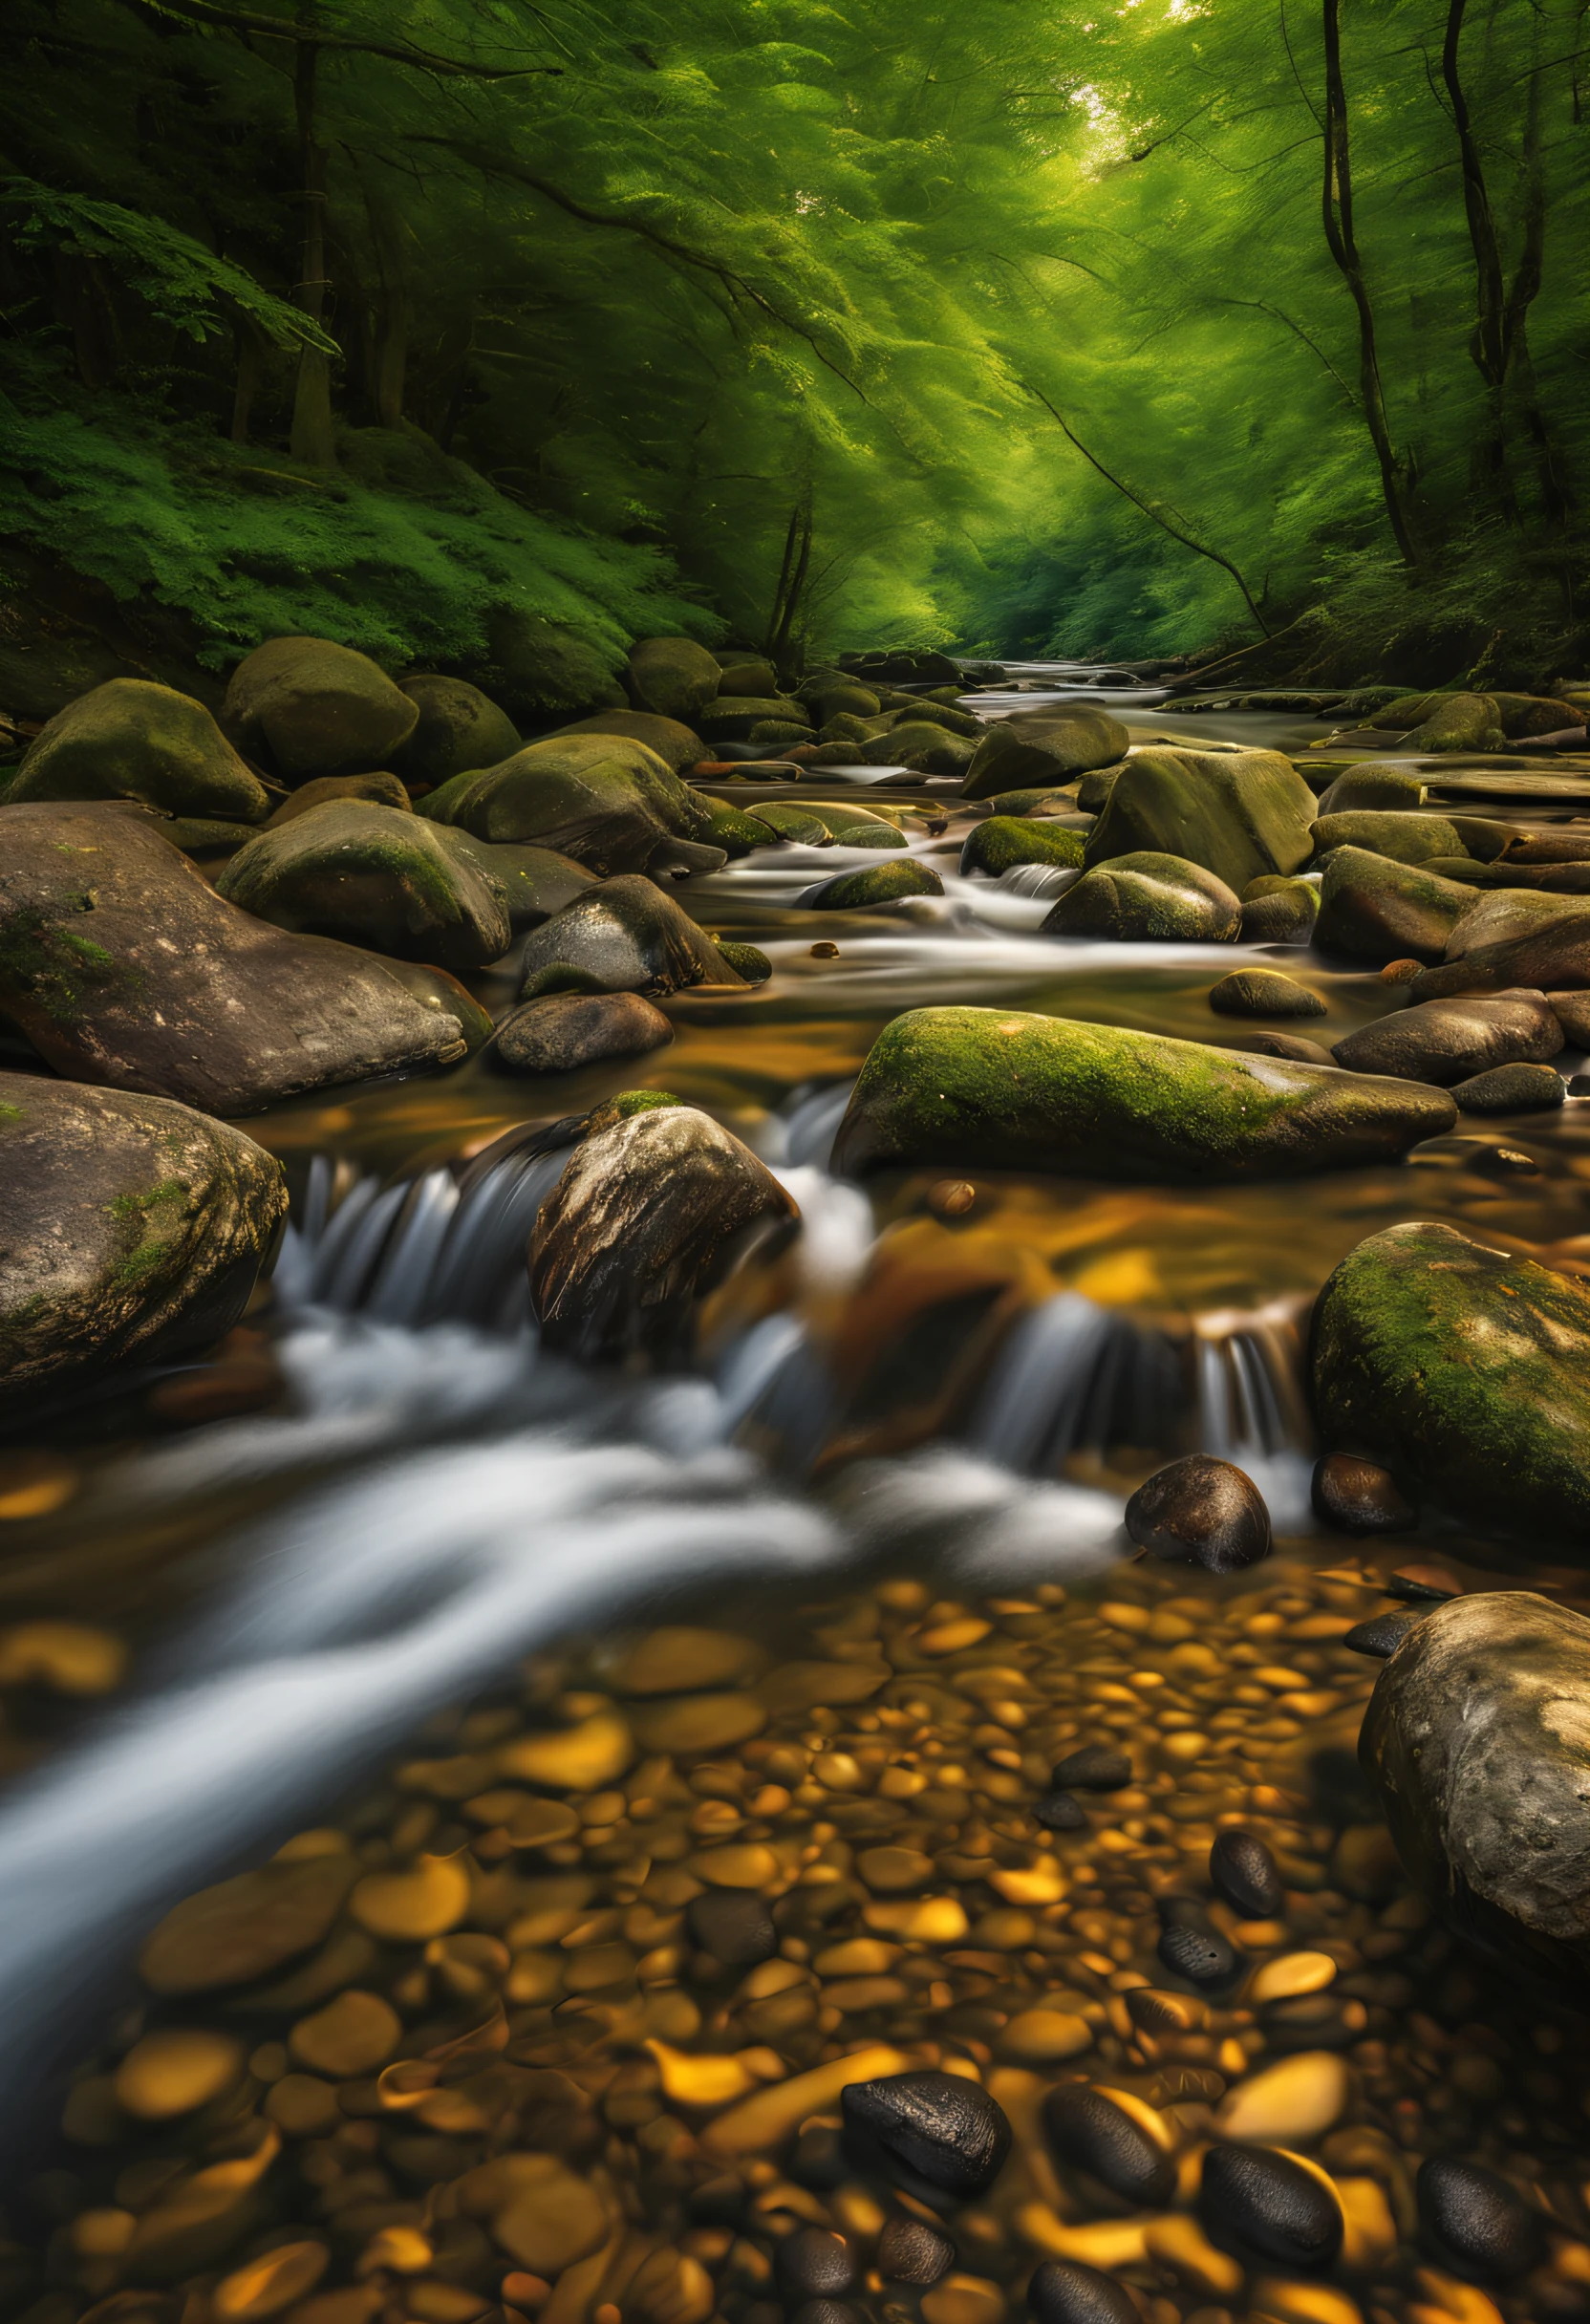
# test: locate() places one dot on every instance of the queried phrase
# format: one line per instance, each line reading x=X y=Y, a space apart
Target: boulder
x=785 y=820
x=1000 y=841
x=1474 y=1742
x=731 y=718
x=841 y=699
x=564 y=1031
x=1264 y=992
x=313 y=708
x=673 y=677
x=1512 y=1090
x=995 y=1090
x=1148 y=899
x=426 y=984
x=134 y=1230
x=1458 y=722
x=624 y=935
x=924 y=711
x=1382 y=911
x=1572 y=1011
x=1019 y=752
x=129 y=739
x=1369 y=788
x=121 y=965
x=649 y=1215
x=918 y=743
x=1554 y=957
x=1239 y=813
x=1303 y=1051
x=873 y=883
x=666 y=738
x=379 y=789
x=1285 y=913
x=1446 y=1041
x=1464 y=1371
x=459 y=728
x=541 y=670
x=605 y=801
x=1503 y=916
x=1405 y=838
x=748 y=674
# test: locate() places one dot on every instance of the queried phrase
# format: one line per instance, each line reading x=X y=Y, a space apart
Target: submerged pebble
x=1270 y=2205
x=1246 y=1875
x=939 y=2129
x=1473 y=2220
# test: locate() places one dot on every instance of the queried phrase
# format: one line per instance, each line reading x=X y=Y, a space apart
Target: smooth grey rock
x=564 y=1031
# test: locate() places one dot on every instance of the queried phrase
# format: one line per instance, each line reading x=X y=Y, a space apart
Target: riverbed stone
x=1368 y=787
x=310 y=707
x=378 y=789
x=1242 y=1870
x=648 y=1217
x=623 y=935
x=1000 y=1089
x=1380 y=911
x=1405 y=838
x=121 y=965
x=1087 y=2129
x=564 y=1031
x=1556 y=954
x=1263 y=991
x=1296 y=1045
x=134 y=1230
x=1465 y=1373
x=1572 y=1011
x=1148 y=899
x=1269 y=2204
x=247 y=1928
x=1238 y=813
x=131 y=739
x=1474 y=2221
x=1202 y=1510
x=1447 y=1041
x=1512 y=1090
x=937 y=2135
x=674 y=676
x=1069 y=2291
x=921 y=744
x=1458 y=722
x=459 y=728
x=873 y=883
x=1280 y=912
x=1051 y=749
x=611 y=804
x=1358 y=1496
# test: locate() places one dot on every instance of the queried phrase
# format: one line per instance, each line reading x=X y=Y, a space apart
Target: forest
x=463 y=329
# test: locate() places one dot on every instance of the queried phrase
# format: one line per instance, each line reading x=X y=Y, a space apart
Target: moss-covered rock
x=1464 y=1371
x=874 y=884
x=1000 y=841
x=1503 y=918
x=924 y=711
x=735 y=831
x=1460 y=722
x=540 y=669
x=1405 y=838
x=844 y=815
x=1238 y=813
x=746 y=674
x=459 y=728
x=1378 y=910
x=1280 y=912
x=732 y=717
x=1148 y=899
x=843 y=698
x=1019 y=752
x=749 y=963
x=607 y=801
x=1371 y=788
x=1263 y=991
x=676 y=745
x=378 y=789
x=785 y=820
x=1553 y=957
x=1037 y=799
x=674 y=676
x=623 y=936
x=432 y=988
x=310 y=707
x=134 y=1230
x=1512 y=1090
x=925 y=749
x=993 y=1089
x=129 y=739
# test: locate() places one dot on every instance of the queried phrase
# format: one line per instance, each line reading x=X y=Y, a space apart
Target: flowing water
x=383 y=1518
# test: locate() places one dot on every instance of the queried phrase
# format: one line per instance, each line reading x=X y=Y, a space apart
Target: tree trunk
x=389 y=368
x=313 y=439
x=250 y=367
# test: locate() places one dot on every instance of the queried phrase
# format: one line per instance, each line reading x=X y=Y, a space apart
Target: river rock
x=459 y=728
x=815 y=2262
x=1295 y=1045
x=741 y=672
x=314 y=708
x=1189 y=1946
x=1239 y=814
x=1263 y=991
x=1405 y=838
x=564 y=1031
x=1464 y=1371
x=1358 y=1496
x=1512 y=1090
x=921 y=744
x=1382 y=910
x=130 y=740
x=1474 y=1739
x=1447 y=1041
x=1371 y=788
x=1068 y=2291
x=1572 y=1011
x=624 y=935
x=1047 y=749
x=1094 y=1768
x=431 y=987
x=380 y=788
x=1243 y=1871
x=674 y=676
x=1554 y=955
x=993 y=1089
x=1383 y=1634
x=734 y=718
x=1269 y=2204
x=873 y=883
x=1203 y=1511
x=937 y=2135
x=134 y=1230
x=1458 y=722
x=1280 y=912
x=734 y=1926
x=121 y=965
x=540 y=670
x=608 y=803
x=1474 y=2221
x=1087 y=2129
x=910 y=2251
x=1148 y=899
x=648 y=1217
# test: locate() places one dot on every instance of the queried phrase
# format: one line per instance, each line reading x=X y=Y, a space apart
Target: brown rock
x=246 y=1927
x=1202 y=1510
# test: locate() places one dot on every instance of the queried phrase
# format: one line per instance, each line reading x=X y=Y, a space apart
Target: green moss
x=1000 y=841
x=747 y=960
x=630 y=1102
x=12 y=1113
x=43 y=964
x=151 y=1236
x=876 y=884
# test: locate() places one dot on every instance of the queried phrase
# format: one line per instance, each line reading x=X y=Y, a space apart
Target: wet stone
x=246 y=1927
x=1202 y=1510
x=1263 y=992
x=815 y=2264
x=1091 y=2133
x=1270 y=2205
x=1512 y=1090
x=563 y=1031
x=1060 y=1812
x=1066 y=2292
x=1381 y=1634
x=941 y=2134
x=1472 y=2220
x=1246 y=1875
x=827 y=2312
x=734 y=1926
x=911 y=2252
x=1190 y=1947
x=1095 y=1768
x=1357 y=1496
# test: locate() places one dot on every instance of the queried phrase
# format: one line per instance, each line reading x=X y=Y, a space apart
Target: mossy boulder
x=624 y=935
x=677 y=745
x=844 y=821
x=1019 y=752
x=746 y=674
x=783 y=819
x=1528 y=714
x=1036 y=799
x=129 y=739
x=1512 y=1090
x=1148 y=899
x=1000 y=841
x=378 y=789
x=1405 y=838
x=673 y=675
x=1371 y=789
x=925 y=749
x=1263 y=991
x=1467 y=1372
x=731 y=716
x=459 y=728
x=1553 y=957
x=1447 y=1041
x=844 y=699
x=310 y=707
x=135 y=1231
x=1460 y=722
x=607 y=801
x=993 y=1089
x=736 y=832
x=1378 y=910
x=1512 y=913
x=1280 y=912
x=1238 y=813
x=924 y=711
x=540 y=669
x=874 y=884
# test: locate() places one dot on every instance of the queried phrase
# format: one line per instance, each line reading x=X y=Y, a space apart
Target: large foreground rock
x=1475 y=1739
x=1049 y=749
x=122 y=966
x=624 y=935
x=1241 y=814
x=1148 y=899
x=1382 y=910
x=994 y=1089
x=1465 y=1373
x=129 y=739
x=1446 y=1041
x=648 y=1217
x=607 y=801
x=314 y=708
x=134 y=1229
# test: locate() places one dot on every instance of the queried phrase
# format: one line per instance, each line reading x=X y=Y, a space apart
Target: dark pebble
x=815 y=2264
x=1061 y=1811
x=1244 y=1873
x=1063 y=2292
x=1358 y=1496
x=1190 y=1948
x=1423 y=1584
x=911 y=2252
x=1094 y=1768
x=1092 y=2134
x=1310 y=2021
x=1202 y=1510
x=1271 y=2206
x=819 y=2160
x=1473 y=2221
x=733 y=1927
x=945 y=2134
x=827 y=2312
x=1382 y=1633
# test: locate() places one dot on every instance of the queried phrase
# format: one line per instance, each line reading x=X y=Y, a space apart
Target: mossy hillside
x=1467 y=1372
x=990 y=1089
x=1000 y=841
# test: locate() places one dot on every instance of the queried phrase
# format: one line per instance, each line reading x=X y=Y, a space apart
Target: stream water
x=919 y=1417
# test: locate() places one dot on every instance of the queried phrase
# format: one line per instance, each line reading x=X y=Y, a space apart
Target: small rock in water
x=734 y=1927
x=1473 y=2221
x=563 y=1031
x=1381 y=1634
x=1090 y=2132
x=1066 y=2292
x=1263 y=991
x=1061 y=1811
x=827 y=2312
x=1512 y=1090
x=946 y=2135
x=951 y=1197
x=1190 y=1948
x=1272 y=2206
x=1203 y=1510
x=1094 y=1768
x=911 y=2252
x=1296 y=1045
x=1401 y=972
x=1245 y=1873
x=1433 y=1582
x=1358 y=1496
x=816 y=2264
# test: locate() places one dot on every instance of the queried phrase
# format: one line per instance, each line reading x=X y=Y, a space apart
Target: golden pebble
x=34 y=1485
x=583 y=1757
x=102 y=2234
x=929 y=1920
x=1450 y=2301
x=692 y=2080
x=402 y=2251
x=304 y=2106
x=1288 y=2302
x=837 y=1771
x=856 y=1958
x=1370 y=2240
x=764 y=2121
x=889 y=1870
x=1185 y=1748
x=694 y=1723
x=175 y=2070
x=406 y=1907
x=1178 y=2243
x=1043 y=1881
x=953 y=1637
x=1289 y=2104
x=1289 y=1975
x=1036 y=2037
x=265 y=2285
x=68 y=1657
x=542 y=2214
x=749 y=1865
x=244 y=1928
x=352 y=2035
x=964 y=2300
x=1108 y=2243
x=679 y=1659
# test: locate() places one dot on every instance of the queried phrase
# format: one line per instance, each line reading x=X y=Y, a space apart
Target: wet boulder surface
x=611 y=804
x=622 y=936
x=1050 y=747
x=1148 y=899
x=1379 y=911
x=1447 y=1041
x=310 y=707
x=458 y=728
x=1239 y=814
x=563 y=1031
x=131 y=739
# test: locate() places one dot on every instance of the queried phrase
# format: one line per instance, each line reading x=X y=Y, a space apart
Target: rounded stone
x=734 y=1926
x=827 y=2312
x=910 y=2251
x=1512 y=1090
x=1203 y=1511
x=1271 y=2206
x=1065 y=2292
x=1297 y=1047
x=1088 y=2130
x=1382 y=1633
x=1094 y=1768
x=1245 y=1873
x=1358 y=1496
x=1060 y=1812
x=931 y=2130
x=815 y=2264
x=1263 y=991
x=563 y=1031
x=1473 y=2221
x=1188 y=1947
x=176 y=2069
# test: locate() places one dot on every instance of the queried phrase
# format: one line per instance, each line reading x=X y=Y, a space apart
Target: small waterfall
x=1073 y=1376
x=1251 y=1408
